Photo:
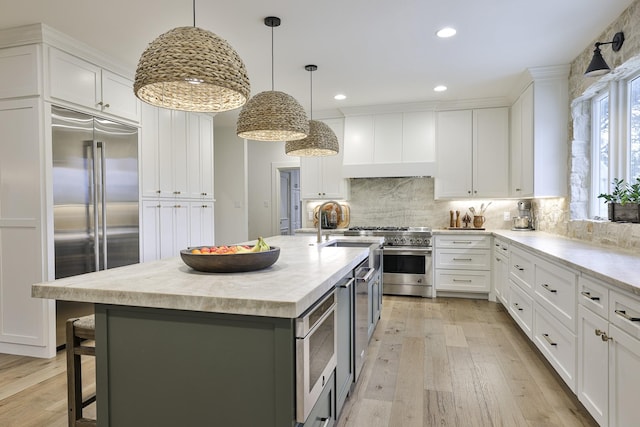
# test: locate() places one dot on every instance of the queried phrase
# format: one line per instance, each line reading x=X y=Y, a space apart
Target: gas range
x=395 y=236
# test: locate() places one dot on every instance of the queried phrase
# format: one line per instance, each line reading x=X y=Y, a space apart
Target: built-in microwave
x=316 y=342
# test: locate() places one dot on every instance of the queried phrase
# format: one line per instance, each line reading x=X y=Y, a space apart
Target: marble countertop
x=616 y=267
x=303 y=273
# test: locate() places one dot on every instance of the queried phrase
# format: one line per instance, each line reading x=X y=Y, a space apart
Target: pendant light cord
x=311 y=93
x=272 y=85
x=194 y=13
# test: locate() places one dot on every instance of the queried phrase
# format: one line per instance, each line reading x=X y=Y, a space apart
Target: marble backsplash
x=410 y=202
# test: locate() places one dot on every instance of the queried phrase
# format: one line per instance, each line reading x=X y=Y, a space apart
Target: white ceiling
x=374 y=51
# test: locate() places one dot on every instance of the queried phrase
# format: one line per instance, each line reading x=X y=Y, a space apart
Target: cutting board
x=342 y=211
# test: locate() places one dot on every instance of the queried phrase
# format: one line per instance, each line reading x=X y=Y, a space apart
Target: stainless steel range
x=407 y=259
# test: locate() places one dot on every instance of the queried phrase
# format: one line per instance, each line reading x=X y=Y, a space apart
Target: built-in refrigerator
x=95 y=199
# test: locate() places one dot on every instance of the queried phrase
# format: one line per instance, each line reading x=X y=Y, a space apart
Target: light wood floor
x=444 y=362
x=456 y=362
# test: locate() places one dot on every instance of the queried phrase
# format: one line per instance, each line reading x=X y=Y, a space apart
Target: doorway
x=290 y=208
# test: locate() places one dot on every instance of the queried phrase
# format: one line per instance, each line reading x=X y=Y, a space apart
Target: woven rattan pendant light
x=191 y=69
x=322 y=141
x=272 y=115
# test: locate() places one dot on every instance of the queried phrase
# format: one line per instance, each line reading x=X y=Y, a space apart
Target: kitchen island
x=179 y=347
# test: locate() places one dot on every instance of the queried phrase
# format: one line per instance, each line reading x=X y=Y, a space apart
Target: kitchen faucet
x=320 y=218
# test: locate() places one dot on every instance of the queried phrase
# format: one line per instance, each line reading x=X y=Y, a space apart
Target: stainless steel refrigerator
x=95 y=199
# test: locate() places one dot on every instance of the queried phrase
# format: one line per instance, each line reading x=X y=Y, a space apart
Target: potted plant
x=623 y=202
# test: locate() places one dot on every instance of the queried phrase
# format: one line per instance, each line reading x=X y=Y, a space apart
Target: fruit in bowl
x=231 y=259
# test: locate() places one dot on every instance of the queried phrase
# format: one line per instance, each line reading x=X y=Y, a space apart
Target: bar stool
x=79 y=329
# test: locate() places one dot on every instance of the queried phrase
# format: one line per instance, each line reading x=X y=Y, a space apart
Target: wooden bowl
x=230 y=263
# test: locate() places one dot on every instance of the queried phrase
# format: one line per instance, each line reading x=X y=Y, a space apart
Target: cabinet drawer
x=462 y=259
x=555 y=289
x=624 y=312
x=500 y=246
x=594 y=295
x=466 y=241
x=521 y=308
x=556 y=343
x=521 y=269
x=463 y=281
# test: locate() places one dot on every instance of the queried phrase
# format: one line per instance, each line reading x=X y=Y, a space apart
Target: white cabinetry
x=539 y=153
x=542 y=301
x=321 y=177
x=463 y=263
x=177 y=181
x=501 y=270
x=609 y=336
x=391 y=144
x=76 y=81
x=472 y=153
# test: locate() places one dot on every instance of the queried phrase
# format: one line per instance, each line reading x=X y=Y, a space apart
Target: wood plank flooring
x=443 y=362
x=456 y=362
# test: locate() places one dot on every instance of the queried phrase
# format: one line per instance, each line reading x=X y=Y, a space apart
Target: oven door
x=407 y=271
x=316 y=342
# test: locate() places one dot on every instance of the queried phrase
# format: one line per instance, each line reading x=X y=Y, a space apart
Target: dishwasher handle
x=367 y=277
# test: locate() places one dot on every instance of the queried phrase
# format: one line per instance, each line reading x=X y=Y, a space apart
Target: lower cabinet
x=463 y=263
x=608 y=353
x=521 y=308
x=556 y=343
x=501 y=271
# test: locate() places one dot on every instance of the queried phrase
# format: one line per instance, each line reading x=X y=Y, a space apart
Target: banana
x=243 y=250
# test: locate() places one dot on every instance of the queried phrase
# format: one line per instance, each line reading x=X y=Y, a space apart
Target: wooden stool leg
x=74 y=376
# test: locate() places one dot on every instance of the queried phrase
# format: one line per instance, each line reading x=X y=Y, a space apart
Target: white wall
x=231 y=182
x=261 y=158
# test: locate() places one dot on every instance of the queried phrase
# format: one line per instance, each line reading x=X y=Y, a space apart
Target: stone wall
x=569 y=217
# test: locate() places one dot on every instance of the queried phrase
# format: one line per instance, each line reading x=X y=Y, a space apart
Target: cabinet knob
x=469 y=192
x=158 y=191
x=475 y=191
x=203 y=194
x=177 y=206
x=177 y=192
x=517 y=189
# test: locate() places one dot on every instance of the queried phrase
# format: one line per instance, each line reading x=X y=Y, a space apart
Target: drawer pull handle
x=588 y=295
x=598 y=332
x=462 y=259
x=325 y=422
x=462 y=280
x=547 y=287
x=546 y=337
x=498 y=259
x=518 y=267
x=517 y=306
x=504 y=249
x=624 y=315
x=462 y=242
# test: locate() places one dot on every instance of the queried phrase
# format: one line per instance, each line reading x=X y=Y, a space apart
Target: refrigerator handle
x=103 y=203
x=96 y=217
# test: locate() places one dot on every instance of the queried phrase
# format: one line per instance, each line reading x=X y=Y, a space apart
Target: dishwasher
x=364 y=274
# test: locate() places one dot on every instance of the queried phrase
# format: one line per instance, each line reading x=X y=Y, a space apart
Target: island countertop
x=302 y=274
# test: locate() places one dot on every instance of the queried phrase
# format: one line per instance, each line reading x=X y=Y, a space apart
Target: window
x=615 y=148
x=634 y=129
x=600 y=153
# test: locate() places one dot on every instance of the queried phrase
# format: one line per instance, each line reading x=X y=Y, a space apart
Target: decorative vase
x=478 y=221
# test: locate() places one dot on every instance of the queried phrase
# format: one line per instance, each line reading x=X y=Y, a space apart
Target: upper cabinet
x=539 y=137
x=176 y=154
x=472 y=153
x=321 y=177
x=389 y=145
x=76 y=81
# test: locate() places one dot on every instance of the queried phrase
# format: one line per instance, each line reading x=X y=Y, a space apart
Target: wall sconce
x=598 y=66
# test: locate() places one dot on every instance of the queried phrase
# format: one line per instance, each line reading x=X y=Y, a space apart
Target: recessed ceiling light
x=446 y=32
x=340 y=97
x=440 y=88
